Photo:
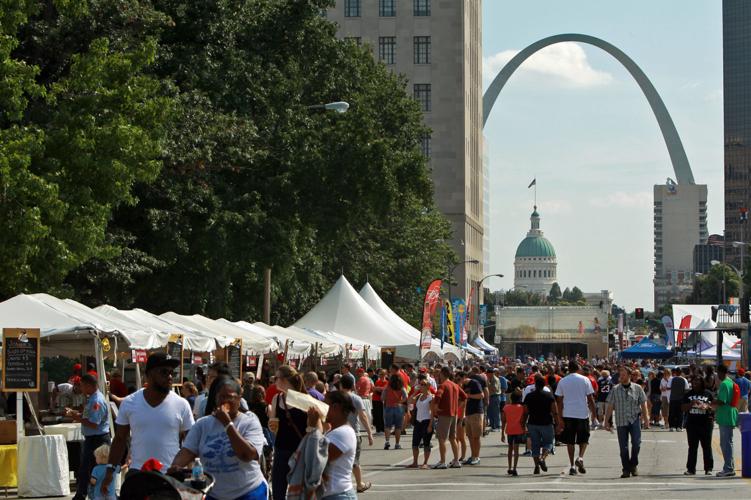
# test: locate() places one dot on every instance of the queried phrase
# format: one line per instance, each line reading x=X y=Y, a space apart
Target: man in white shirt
x=575 y=399
x=155 y=418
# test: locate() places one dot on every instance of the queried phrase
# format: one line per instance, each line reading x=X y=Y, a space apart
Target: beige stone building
x=437 y=46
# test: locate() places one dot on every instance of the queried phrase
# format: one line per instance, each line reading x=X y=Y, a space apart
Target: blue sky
x=573 y=117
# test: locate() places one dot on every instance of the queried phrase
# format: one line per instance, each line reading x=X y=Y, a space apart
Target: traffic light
x=639 y=313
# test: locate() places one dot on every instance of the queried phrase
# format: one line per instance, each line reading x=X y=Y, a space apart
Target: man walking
x=494 y=402
x=445 y=406
x=726 y=415
x=678 y=389
x=574 y=396
x=473 y=418
x=95 y=428
x=629 y=403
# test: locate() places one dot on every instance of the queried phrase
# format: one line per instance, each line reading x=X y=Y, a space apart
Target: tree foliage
x=708 y=288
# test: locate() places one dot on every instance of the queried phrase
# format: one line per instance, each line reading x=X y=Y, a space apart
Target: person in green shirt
x=727 y=418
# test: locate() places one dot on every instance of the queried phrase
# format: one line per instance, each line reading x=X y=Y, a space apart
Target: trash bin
x=744 y=419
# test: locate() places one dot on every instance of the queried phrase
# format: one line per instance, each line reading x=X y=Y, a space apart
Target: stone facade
x=437 y=46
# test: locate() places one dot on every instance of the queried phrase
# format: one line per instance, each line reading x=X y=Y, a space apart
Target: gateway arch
x=669 y=133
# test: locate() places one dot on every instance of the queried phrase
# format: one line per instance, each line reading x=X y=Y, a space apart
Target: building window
x=426 y=146
x=387 y=8
x=422 y=95
x=352 y=8
x=387 y=49
x=421 y=7
x=354 y=39
x=422 y=50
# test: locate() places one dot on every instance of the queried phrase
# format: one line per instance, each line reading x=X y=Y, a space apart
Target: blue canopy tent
x=647 y=349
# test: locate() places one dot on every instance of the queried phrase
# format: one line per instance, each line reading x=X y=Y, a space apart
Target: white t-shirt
x=155 y=431
x=208 y=439
x=354 y=417
x=574 y=388
x=530 y=388
x=423 y=408
x=339 y=472
x=665 y=387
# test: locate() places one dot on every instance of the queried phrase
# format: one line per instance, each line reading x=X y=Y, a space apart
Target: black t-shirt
x=604 y=385
x=539 y=405
x=654 y=385
x=700 y=410
x=474 y=406
x=514 y=383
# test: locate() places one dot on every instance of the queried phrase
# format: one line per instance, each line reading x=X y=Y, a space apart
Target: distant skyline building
x=437 y=46
x=704 y=254
x=736 y=55
x=535 y=264
x=680 y=223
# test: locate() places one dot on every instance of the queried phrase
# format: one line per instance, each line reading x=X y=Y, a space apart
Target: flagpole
x=535 y=190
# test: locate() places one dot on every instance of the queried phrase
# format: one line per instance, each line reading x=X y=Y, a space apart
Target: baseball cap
x=161 y=359
x=423 y=369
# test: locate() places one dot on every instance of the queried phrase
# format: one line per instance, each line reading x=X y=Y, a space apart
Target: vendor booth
x=647 y=349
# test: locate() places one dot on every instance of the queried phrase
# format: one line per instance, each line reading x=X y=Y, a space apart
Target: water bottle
x=197 y=470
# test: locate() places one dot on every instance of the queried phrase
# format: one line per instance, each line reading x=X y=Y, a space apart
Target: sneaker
x=467 y=461
x=527 y=453
x=543 y=466
x=514 y=473
x=509 y=472
x=387 y=446
x=537 y=470
x=726 y=473
x=707 y=472
x=572 y=471
x=455 y=465
x=440 y=465
x=635 y=471
x=690 y=473
x=474 y=461
x=398 y=446
x=672 y=430
x=552 y=450
x=580 y=465
x=625 y=474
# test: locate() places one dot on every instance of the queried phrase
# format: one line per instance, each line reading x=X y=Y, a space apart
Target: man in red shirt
x=445 y=406
x=364 y=388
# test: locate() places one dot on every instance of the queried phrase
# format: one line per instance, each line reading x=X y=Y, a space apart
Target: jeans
x=347 y=495
x=260 y=492
x=633 y=429
x=542 y=437
x=279 y=471
x=90 y=443
x=726 y=445
x=699 y=434
x=494 y=411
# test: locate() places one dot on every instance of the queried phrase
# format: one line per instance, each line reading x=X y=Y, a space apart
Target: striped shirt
x=626 y=403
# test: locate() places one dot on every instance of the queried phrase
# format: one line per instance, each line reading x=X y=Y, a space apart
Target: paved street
x=662 y=459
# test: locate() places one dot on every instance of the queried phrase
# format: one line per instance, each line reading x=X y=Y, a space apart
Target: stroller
x=157 y=486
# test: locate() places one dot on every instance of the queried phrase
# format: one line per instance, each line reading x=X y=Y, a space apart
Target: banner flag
x=533 y=183
x=667 y=322
x=469 y=320
x=619 y=329
x=443 y=324
x=685 y=325
x=432 y=296
x=460 y=316
x=450 y=322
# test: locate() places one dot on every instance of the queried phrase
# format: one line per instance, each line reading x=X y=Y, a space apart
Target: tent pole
x=259 y=367
x=138 y=375
x=20 y=431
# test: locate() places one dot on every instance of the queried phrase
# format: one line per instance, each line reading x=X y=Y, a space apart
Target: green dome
x=535 y=246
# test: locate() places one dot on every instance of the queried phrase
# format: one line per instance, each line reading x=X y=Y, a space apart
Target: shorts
x=516 y=439
x=358 y=449
x=601 y=407
x=473 y=425
x=575 y=431
x=446 y=428
x=393 y=416
x=541 y=436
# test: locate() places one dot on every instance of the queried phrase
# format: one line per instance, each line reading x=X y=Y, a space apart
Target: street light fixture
x=451 y=271
x=338 y=106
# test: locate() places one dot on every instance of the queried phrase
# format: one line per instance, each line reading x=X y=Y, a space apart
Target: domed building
x=535 y=265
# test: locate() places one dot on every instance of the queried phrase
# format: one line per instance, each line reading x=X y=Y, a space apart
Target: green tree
x=576 y=295
x=708 y=288
x=80 y=124
x=555 y=293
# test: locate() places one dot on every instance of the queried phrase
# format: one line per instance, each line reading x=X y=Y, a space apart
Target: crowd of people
x=249 y=439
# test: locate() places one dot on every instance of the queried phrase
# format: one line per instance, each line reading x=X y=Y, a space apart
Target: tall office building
x=437 y=46
x=680 y=223
x=736 y=44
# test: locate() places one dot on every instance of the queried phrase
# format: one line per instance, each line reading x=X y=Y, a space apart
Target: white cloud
x=565 y=62
x=620 y=199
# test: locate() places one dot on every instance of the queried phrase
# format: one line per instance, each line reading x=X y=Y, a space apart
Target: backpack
x=736 y=395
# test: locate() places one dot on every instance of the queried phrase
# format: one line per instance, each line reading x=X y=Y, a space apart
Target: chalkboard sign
x=21 y=359
x=175 y=351
x=235 y=359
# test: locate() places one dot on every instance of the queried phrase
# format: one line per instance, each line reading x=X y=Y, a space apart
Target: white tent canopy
x=298 y=348
x=225 y=333
x=343 y=311
x=374 y=300
x=296 y=335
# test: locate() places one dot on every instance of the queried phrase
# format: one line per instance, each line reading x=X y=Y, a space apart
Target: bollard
x=744 y=419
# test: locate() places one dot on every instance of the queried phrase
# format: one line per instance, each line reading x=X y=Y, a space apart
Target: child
x=513 y=425
x=101 y=455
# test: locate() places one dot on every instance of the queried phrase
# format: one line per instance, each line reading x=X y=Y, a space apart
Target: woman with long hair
x=288 y=425
x=394 y=396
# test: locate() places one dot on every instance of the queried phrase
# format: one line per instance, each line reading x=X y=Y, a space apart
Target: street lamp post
x=452 y=268
x=479 y=285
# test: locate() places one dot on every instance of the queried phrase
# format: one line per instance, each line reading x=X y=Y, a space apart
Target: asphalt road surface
x=662 y=462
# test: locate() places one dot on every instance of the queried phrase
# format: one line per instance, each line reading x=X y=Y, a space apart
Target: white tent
x=343 y=311
x=374 y=300
x=326 y=347
x=297 y=348
x=225 y=332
